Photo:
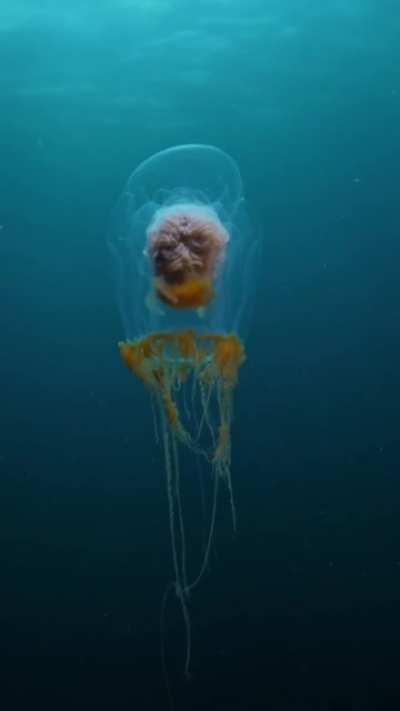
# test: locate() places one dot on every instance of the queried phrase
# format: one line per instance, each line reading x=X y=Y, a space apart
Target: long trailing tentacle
x=222 y=458
x=179 y=511
x=172 y=494
x=164 y=668
x=206 y=554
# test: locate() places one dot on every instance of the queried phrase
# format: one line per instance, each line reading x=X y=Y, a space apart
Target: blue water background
x=302 y=609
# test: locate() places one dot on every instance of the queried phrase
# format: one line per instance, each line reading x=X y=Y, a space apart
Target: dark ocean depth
x=300 y=611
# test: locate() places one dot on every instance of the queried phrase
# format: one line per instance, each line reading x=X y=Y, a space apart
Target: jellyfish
x=185 y=256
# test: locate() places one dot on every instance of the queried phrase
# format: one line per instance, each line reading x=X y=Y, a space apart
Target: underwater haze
x=300 y=610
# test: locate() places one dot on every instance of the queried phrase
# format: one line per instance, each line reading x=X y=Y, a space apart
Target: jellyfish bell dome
x=180 y=235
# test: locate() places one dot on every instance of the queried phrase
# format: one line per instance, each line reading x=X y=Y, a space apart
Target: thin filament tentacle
x=210 y=537
x=179 y=587
x=179 y=511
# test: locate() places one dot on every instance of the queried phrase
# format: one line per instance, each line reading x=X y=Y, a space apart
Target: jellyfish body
x=184 y=249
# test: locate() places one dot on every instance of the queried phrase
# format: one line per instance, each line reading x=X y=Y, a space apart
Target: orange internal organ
x=147 y=356
x=190 y=294
x=164 y=361
x=224 y=440
x=229 y=355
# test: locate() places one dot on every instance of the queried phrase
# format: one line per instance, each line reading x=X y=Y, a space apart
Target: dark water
x=302 y=610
